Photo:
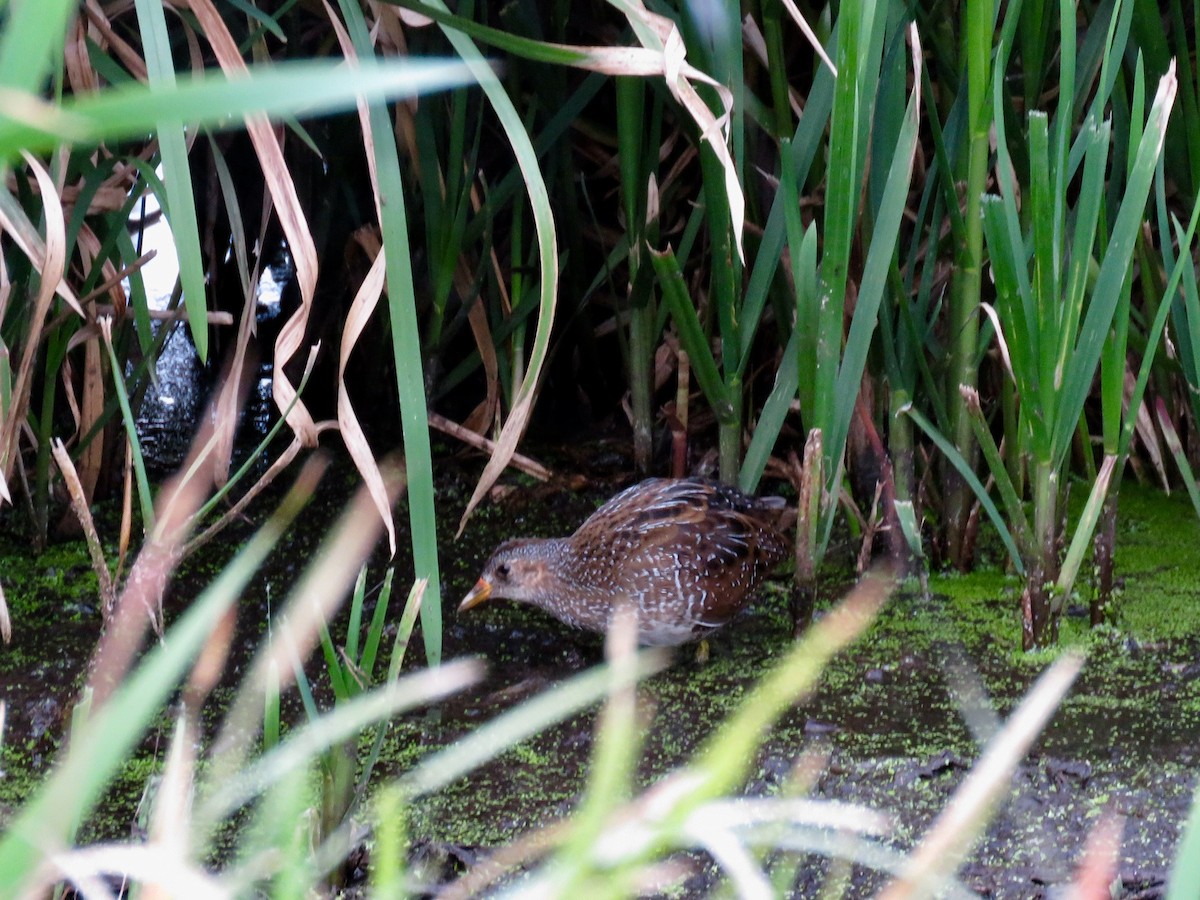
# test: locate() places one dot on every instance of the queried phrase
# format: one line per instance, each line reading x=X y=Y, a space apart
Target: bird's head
x=519 y=570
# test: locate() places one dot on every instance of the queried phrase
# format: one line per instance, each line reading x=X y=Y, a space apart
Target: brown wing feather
x=701 y=543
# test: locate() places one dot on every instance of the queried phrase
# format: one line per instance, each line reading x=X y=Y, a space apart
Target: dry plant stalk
x=953 y=832
x=79 y=503
x=320 y=591
x=6 y=636
x=140 y=601
x=224 y=419
x=519 y=461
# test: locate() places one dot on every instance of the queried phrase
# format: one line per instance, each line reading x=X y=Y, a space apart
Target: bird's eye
x=503 y=570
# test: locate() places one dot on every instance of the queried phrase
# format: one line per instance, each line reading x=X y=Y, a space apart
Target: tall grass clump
x=816 y=305
x=81 y=161
x=831 y=363
x=968 y=165
x=1055 y=315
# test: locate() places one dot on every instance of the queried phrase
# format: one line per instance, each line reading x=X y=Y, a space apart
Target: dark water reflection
x=175 y=398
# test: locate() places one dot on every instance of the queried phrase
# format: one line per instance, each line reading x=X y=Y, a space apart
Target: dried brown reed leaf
x=81 y=75
x=362 y=309
x=505 y=446
x=179 y=314
x=90 y=406
x=682 y=162
x=110 y=196
x=50 y=258
x=231 y=398
x=211 y=464
x=89 y=248
x=388 y=32
x=91 y=409
x=6 y=636
x=809 y=34
x=484 y=415
x=112 y=281
x=291 y=218
x=102 y=32
x=243 y=362
x=195 y=54
x=67 y=376
x=1171 y=436
x=811 y=477
x=663 y=53
x=1001 y=341
x=1145 y=427
x=414 y=19
x=276 y=468
x=364 y=116
x=357 y=319
x=514 y=428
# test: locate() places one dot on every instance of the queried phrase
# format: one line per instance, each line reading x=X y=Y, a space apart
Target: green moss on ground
x=889 y=700
x=1158 y=566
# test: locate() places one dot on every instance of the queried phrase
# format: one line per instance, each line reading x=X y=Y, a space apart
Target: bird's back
x=686 y=552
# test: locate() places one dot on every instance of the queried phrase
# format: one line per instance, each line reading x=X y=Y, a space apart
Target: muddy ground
x=885 y=719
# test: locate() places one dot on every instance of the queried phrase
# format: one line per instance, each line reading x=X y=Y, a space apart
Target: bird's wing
x=712 y=539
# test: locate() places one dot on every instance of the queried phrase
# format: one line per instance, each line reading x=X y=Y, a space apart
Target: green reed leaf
x=1081 y=366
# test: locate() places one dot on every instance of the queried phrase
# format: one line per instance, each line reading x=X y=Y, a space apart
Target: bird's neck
x=551 y=575
x=558 y=569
